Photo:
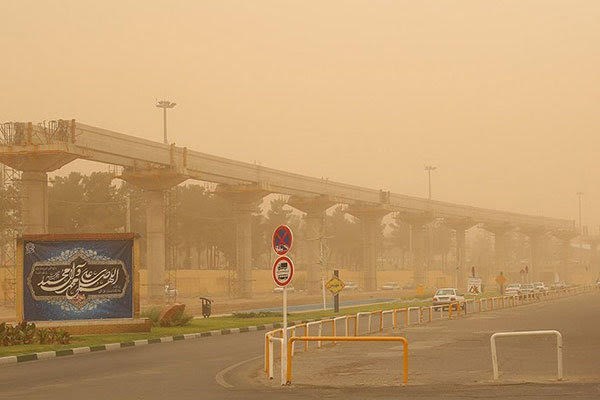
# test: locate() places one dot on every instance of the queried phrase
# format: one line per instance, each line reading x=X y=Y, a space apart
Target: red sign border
x=291 y=263
x=289 y=231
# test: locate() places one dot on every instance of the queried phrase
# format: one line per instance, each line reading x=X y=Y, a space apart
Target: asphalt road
x=220 y=367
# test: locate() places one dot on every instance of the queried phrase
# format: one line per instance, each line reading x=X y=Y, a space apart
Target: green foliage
x=179 y=319
x=27 y=333
x=153 y=314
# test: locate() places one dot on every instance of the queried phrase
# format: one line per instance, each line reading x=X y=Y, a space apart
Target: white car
x=351 y=286
x=391 y=286
x=445 y=296
x=540 y=287
x=528 y=288
x=513 y=289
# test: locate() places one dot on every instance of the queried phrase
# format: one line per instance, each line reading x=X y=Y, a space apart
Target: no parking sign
x=282 y=240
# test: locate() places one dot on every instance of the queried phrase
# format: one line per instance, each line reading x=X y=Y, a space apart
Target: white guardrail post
x=528 y=333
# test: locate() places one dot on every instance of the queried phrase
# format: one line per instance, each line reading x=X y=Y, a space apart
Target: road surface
x=227 y=367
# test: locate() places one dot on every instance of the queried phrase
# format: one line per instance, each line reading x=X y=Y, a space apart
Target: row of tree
x=201 y=227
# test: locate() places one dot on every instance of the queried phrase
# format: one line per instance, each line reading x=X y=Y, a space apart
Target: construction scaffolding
x=10 y=228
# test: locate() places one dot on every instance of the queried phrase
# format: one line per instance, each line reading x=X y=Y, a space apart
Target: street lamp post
x=429 y=168
x=164 y=104
x=580 y=194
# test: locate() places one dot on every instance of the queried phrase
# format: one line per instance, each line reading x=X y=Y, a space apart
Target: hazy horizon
x=501 y=96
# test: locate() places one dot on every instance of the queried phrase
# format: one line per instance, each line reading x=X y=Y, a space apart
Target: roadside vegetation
x=198 y=325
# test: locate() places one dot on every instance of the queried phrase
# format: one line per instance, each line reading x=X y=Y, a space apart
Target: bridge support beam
x=564 y=237
x=537 y=240
x=155 y=182
x=460 y=227
x=370 y=222
x=34 y=202
x=500 y=246
x=314 y=208
x=418 y=243
x=244 y=202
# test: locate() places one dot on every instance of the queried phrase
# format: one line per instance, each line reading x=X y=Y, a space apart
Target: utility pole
x=165 y=104
x=429 y=168
x=580 y=195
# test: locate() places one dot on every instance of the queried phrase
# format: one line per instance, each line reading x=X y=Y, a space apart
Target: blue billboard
x=76 y=279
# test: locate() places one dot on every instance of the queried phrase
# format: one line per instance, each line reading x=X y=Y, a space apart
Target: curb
x=46 y=355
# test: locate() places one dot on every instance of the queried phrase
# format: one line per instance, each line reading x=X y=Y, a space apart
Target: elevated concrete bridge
x=155 y=167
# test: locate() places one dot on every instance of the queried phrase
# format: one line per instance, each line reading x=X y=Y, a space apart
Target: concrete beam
x=315 y=208
x=370 y=222
x=460 y=227
x=418 y=242
x=154 y=182
x=244 y=200
x=34 y=202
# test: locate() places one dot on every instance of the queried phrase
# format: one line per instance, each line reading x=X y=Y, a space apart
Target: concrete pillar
x=500 y=247
x=418 y=232
x=35 y=202
x=154 y=182
x=564 y=242
x=314 y=267
x=243 y=248
x=537 y=240
x=371 y=228
x=155 y=242
x=370 y=223
x=315 y=208
x=244 y=200
x=460 y=269
x=417 y=243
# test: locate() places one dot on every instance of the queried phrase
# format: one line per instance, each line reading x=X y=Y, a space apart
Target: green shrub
x=27 y=333
x=153 y=314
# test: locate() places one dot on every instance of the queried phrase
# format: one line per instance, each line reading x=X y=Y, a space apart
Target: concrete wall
x=194 y=283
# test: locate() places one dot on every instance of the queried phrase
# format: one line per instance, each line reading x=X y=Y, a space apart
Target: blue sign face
x=81 y=279
x=282 y=240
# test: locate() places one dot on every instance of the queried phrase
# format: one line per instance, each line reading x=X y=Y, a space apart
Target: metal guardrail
x=469 y=306
x=559 y=343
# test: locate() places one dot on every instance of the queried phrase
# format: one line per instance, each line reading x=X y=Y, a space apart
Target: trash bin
x=206 y=306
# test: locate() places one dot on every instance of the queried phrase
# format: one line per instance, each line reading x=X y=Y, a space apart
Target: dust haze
x=501 y=96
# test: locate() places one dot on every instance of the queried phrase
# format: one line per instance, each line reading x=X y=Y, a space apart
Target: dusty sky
x=502 y=96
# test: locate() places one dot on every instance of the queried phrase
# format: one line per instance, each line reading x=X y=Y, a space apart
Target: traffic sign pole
x=283 y=271
x=336 y=297
x=284 y=336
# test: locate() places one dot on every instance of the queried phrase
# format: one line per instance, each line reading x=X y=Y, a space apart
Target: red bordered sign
x=283 y=271
x=282 y=240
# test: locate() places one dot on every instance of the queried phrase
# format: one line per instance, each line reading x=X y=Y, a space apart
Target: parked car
x=351 y=286
x=391 y=286
x=445 y=296
x=513 y=289
x=528 y=288
x=558 y=285
x=540 y=287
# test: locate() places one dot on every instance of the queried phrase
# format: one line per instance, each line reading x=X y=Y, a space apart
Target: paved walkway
x=455 y=355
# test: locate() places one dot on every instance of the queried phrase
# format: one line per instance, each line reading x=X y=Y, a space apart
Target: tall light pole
x=164 y=104
x=429 y=168
x=580 y=194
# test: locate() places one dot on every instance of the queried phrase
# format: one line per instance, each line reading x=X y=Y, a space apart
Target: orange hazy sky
x=502 y=96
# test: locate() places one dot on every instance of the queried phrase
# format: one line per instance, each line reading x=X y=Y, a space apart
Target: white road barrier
x=528 y=333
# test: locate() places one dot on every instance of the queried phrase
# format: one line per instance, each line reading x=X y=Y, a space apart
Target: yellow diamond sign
x=335 y=285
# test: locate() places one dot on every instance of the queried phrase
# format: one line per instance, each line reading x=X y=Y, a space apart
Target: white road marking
x=220 y=376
